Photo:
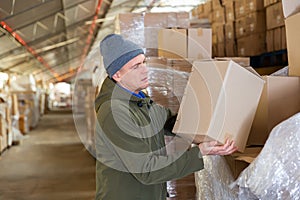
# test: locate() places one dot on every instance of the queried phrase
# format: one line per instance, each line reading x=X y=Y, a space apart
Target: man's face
x=133 y=75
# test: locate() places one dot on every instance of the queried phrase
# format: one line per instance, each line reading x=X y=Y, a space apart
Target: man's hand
x=212 y=148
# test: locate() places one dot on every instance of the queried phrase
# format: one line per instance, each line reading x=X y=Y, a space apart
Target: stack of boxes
x=275 y=36
x=244 y=27
x=218 y=21
x=250 y=27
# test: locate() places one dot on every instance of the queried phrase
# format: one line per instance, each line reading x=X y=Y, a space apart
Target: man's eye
x=136 y=66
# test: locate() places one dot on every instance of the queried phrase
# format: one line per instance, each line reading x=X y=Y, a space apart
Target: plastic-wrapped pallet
x=275 y=173
x=213 y=182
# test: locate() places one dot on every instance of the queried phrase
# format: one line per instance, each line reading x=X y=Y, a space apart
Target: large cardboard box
x=172 y=43
x=199 y=43
x=274 y=16
x=292 y=26
x=220 y=101
x=254 y=5
x=280 y=100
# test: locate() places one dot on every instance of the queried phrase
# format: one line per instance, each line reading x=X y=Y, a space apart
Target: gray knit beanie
x=117 y=51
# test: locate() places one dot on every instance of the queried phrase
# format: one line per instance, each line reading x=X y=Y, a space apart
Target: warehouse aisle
x=51 y=163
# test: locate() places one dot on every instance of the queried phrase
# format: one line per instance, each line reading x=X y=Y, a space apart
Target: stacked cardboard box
x=250 y=27
x=192 y=43
x=218 y=28
x=210 y=98
x=275 y=36
x=230 y=38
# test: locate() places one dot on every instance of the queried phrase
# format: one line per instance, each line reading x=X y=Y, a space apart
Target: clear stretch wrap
x=275 y=173
x=213 y=182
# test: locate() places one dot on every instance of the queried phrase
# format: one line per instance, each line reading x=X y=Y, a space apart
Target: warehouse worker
x=131 y=154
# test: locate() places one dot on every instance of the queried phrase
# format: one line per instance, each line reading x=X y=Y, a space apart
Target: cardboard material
x=280 y=100
x=172 y=43
x=194 y=43
x=237 y=162
x=229 y=11
x=274 y=16
x=292 y=26
x=250 y=24
x=221 y=97
x=252 y=45
x=230 y=48
x=199 y=43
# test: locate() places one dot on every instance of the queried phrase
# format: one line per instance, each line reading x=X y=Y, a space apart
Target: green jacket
x=131 y=155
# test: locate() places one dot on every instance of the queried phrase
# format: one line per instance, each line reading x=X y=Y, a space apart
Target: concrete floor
x=50 y=164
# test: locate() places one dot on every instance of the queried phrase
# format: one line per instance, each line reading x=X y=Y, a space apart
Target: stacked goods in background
x=218 y=34
x=21 y=105
x=275 y=35
x=28 y=101
x=250 y=27
x=84 y=112
x=230 y=38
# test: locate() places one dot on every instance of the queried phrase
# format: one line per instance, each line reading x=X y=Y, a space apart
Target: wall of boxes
x=244 y=27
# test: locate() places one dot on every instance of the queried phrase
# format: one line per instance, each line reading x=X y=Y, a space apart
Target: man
x=131 y=155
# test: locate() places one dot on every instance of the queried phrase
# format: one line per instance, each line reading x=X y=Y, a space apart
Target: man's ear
x=117 y=76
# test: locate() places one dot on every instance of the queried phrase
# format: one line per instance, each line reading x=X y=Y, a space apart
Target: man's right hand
x=212 y=148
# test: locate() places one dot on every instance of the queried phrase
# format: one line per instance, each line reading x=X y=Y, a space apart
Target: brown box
x=210 y=99
x=229 y=11
x=292 y=26
x=207 y=11
x=218 y=31
x=237 y=162
x=172 y=43
x=240 y=8
x=199 y=43
x=280 y=100
x=270 y=40
x=243 y=7
x=216 y=4
x=230 y=48
x=250 y=24
x=24 y=124
x=252 y=45
x=219 y=15
x=270 y=2
x=230 y=31
x=167 y=20
x=254 y=5
x=277 y=39
x=221 y=49
x=274 y=16
x=283 y=37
